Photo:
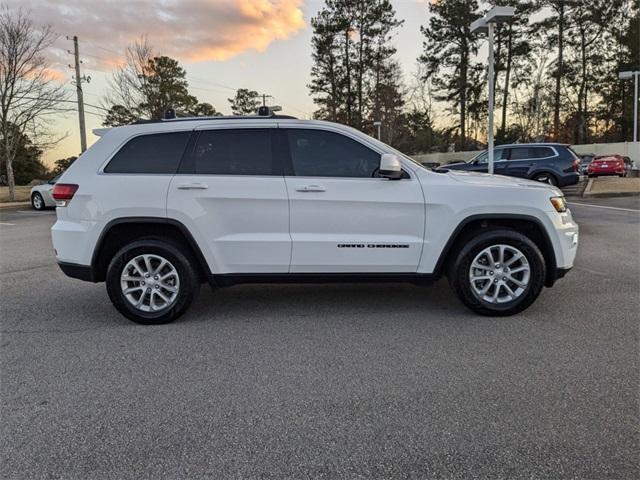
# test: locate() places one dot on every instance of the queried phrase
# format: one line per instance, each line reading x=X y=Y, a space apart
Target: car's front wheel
x=152 y=281
x=498 y=273
x=37 y=202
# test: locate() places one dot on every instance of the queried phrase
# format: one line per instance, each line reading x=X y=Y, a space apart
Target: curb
x=10 y=205
x=587 y=192
x=611 y=195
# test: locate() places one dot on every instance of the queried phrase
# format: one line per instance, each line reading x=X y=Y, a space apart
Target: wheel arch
x=542 y=170
x=119 y=232
x=528 y=225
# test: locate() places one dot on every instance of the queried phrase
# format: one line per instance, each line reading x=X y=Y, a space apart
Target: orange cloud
x=56 y=75
x=194 y=30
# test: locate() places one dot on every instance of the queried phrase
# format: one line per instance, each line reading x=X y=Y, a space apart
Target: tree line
x=556 y=77
x=556 y=72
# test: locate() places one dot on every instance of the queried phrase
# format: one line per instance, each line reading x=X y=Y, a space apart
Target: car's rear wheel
x=152 y=281
x=546 y=178
x=498 y=273
x=37 y=202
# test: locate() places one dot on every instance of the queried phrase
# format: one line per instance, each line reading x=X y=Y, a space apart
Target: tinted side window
x=542 y=152
x=233 y=152
x=521 y=153
x=498 y=154
x=153 y=153
x=530 y=153
x=317 y=153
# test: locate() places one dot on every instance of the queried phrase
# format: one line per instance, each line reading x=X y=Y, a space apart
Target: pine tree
x=351 y=43
x=146 y=86
x=448 y=49
x=512 y=50
x=166 y=87
x=245 y=102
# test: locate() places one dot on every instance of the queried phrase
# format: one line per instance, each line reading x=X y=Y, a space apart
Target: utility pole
x=79 y=79
x=264 y=99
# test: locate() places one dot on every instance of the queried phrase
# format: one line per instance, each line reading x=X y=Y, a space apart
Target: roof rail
x=219 y=117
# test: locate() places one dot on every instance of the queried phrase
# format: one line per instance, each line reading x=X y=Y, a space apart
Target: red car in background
x=608 y=165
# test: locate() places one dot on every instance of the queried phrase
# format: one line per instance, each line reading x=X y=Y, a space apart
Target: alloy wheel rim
x=499 y=274
x=37 y=202
x=150 y=283
x=545 y=179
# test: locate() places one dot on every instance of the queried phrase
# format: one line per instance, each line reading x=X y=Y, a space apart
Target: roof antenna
x=169 y=114
x=264 y=111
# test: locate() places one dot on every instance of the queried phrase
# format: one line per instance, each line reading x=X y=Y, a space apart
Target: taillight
x=576 y=164
x=63 y=192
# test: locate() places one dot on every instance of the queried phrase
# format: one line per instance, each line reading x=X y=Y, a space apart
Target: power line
x=209 y=82
x=108 y=50
x=67 y=101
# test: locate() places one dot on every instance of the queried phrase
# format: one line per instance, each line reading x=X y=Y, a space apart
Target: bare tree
x=129 y=86
x=28 y=93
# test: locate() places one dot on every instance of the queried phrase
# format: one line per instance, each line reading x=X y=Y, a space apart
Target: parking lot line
x=603 y=206
x=8 y=224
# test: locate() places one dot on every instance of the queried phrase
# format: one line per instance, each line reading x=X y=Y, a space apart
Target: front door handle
x=311 y=188
x=193 y=186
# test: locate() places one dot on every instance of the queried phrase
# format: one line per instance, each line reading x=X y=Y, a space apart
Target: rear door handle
x=193 y=186
x=311 y=188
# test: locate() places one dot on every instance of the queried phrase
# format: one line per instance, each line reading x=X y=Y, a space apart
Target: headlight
x=559 y=203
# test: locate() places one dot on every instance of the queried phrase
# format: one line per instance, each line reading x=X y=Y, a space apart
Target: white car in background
x=41 y=195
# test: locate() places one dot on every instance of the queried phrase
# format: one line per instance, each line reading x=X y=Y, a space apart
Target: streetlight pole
x=492 y=95
x=486 y=25
x=635 y=109
x=626 y=76
x=378 y=124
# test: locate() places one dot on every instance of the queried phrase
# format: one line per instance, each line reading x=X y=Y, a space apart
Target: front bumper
x=74 y=270
x=554 y=275
x=565 y=240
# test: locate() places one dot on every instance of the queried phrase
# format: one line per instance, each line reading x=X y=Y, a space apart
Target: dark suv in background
x=553 y=163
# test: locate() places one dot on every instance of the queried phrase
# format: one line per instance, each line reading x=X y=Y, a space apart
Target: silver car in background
x=41 y=195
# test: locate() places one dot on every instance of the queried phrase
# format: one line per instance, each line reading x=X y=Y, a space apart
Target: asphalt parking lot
x=323 y=381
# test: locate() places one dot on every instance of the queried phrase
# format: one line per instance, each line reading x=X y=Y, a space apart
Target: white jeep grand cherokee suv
x=157 y=208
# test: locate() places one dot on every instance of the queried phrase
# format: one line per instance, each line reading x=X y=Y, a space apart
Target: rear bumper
x=74 y=270
x=568 y=179
x=603 y=173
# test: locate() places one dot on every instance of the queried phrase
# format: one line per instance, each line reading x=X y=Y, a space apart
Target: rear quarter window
x=542 y=152
x=156 y=153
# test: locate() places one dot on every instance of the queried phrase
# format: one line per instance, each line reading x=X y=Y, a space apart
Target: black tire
x=37 y=202
x=546 y=178
x=459 y=268
x=179 y=257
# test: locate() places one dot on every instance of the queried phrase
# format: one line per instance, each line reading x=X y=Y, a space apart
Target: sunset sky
x=262 y=45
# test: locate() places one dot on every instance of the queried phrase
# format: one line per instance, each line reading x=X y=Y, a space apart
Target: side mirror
x=390 y=167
